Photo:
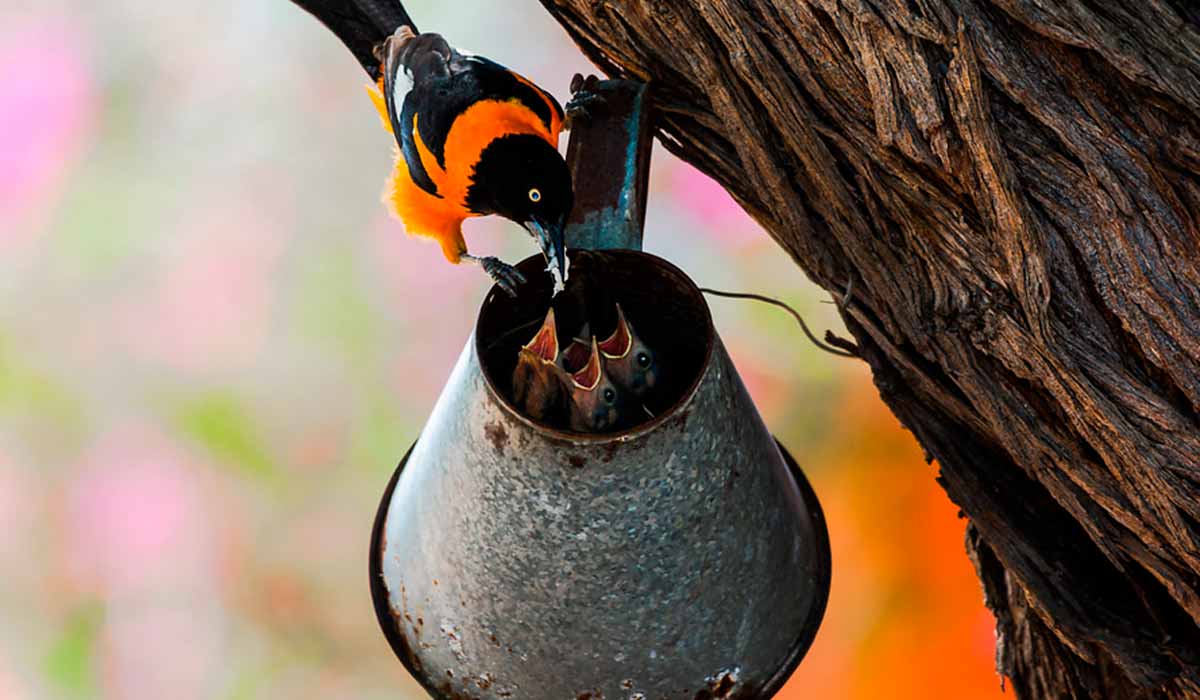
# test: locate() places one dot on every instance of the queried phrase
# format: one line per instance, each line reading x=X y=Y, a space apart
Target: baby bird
x=628 y=360
x=570 y=387
x=539 y=384
x=595 y=401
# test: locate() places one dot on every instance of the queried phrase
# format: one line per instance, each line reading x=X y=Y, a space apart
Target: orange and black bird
x=474 y=138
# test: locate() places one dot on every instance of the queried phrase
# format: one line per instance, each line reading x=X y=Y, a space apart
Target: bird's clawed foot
x=504 y=275
x=584 y=99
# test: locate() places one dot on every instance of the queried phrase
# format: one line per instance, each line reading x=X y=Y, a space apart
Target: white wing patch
x=401 y=87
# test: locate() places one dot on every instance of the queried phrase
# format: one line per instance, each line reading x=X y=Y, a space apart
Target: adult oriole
x=474 y=137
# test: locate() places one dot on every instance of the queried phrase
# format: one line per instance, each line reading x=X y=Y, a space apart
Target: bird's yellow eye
x=535 y=195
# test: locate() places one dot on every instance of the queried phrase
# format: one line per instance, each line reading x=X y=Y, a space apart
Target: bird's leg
x=503 y=274
x=583 y=99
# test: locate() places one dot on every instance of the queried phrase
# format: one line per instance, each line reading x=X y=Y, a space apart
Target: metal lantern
x=683 y=558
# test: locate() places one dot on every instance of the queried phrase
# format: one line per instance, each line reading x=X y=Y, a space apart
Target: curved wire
x=775 y=302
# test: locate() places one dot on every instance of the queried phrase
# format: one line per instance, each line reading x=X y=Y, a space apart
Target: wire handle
x=795 y=314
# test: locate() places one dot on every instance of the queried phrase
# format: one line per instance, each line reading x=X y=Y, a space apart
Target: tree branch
x=1013 y=187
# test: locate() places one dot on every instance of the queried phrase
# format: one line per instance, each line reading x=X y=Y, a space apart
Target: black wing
x=424 y=59
x=360 y=24
x=445 y=83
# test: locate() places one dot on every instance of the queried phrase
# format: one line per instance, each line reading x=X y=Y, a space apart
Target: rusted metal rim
x=804 y=640
x=379 y=592
x=660 y=278
x=823 y=577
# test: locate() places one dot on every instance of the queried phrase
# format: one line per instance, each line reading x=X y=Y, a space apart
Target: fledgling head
x=596 y=403
x=539 y=387
x=629 y=361
x=523 y=178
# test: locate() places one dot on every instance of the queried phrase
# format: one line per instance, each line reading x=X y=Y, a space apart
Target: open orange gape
x=675 y=552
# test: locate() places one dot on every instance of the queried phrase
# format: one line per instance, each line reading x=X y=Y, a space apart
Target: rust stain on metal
x=722 y=685
x=447 y=692
x=406 y=649
x=496 y=434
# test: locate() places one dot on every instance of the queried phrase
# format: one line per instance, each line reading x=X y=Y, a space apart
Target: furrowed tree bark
x=1012 y=190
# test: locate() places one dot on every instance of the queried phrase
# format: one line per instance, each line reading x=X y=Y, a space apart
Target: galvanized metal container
x=684 y=558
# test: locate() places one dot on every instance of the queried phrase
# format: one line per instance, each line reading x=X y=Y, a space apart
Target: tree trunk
x=1010 y=189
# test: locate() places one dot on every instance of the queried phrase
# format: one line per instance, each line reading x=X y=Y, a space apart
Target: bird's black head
x=523 y=178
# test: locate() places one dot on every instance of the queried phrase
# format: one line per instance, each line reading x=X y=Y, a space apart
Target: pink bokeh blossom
x=135 y=517
x=47 y=107
x=437 y=299
x=415 y=270
x=18 y=499
x=162 y=651
x=709 y=203
x=210 y=302
x=11 y=685
x=138 y=534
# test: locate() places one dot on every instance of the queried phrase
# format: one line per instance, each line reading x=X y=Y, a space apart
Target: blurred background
x=215 y=346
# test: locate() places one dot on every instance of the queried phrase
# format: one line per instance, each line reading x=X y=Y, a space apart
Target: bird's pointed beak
x=550 y=238
x=620 y=342
x=545 y=343
x=588 y=378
